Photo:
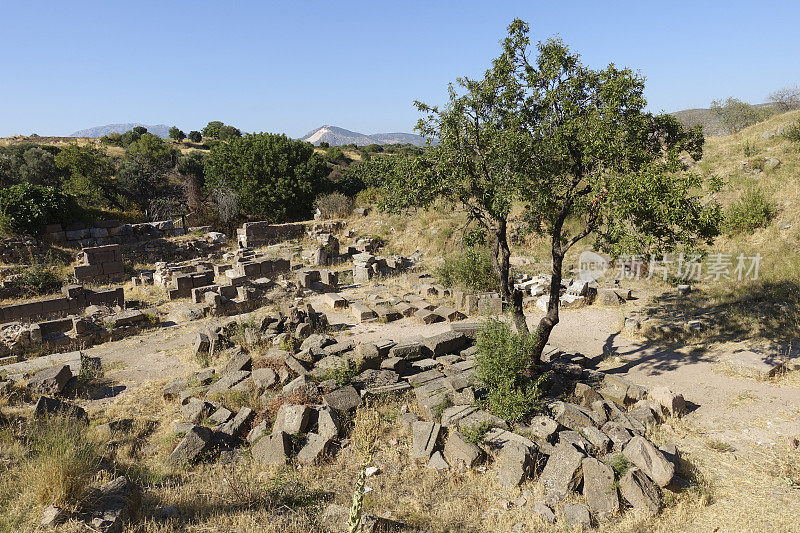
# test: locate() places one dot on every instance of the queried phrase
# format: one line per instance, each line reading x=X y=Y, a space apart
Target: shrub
x=470 y=269
x=752 y=210
x=502 y=360
x=334 y=205
x=26 y=208
x=195 y=136
x=369 y=196
x=736 y=115
x=37 y=280
x=792 y=132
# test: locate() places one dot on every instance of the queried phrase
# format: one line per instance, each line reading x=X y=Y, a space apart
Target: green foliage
x=228 y=132
x=344 y=373
x=176 y=133
x=334 y=205
x=749 y=149
x=274 y=176
x=471 y=269
x=89 y=174
x=195 y=136
x=26 y=208
x=362 y=175
x=502 y=360
x=737 y=115
x=751 y=211
x=144 y=170
x=141 y=130
x=112 y=139
x=476 y=432
x=212 y=129
x=37 y=280
x=29 y=163
x=218 y=130
x=335 y=155
x=619 y=464
x=792 y=132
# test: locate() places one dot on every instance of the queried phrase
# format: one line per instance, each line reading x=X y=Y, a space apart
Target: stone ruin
x=256 y=234
x=100 y=264
x=588 y=420
x=110 y=232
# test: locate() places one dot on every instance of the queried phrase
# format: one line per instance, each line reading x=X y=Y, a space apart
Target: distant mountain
x=98 y=131
x=336 y=136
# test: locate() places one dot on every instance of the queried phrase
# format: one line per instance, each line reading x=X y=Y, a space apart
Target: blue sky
x=292 y=66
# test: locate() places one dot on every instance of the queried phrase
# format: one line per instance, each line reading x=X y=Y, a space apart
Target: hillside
x=161 y=130
x=712 y=125
x=336 y=136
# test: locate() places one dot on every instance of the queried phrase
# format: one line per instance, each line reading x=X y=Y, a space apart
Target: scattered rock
x=118 y=501
x=194 y=443
x=576 y=515
x=272 y=449
x=599 y=489
x=639 y=491
x=650 y=460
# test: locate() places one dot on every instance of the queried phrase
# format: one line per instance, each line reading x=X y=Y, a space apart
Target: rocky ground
x=271 y=439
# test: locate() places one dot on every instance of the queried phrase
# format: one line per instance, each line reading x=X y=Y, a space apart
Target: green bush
x=37 y=280
x=502 y=362
x=752 y=210
x=471 y=269
x=26 y=208
x=792 y=132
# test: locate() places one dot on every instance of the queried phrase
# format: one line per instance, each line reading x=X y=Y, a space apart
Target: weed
x=62 y=460
x=619 y=464
x=752 y=210
x=719 y=445
x=503 y=360
x=792 y=132
x=471 y=269
x=476 y=432
x=344 y=372
x=439 y=408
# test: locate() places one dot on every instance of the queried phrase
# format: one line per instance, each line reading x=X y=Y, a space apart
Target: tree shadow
x=758 y=310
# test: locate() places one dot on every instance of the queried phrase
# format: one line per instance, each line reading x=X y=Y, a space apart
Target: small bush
x=502 y=361
x=344 y=373
x=470 y=269
x=37 y=280
x=334 y=205
x=752 y=210
x=369 y=196
x=476 y=432
x=26 y=208
x=792 y=132
x=749 y=149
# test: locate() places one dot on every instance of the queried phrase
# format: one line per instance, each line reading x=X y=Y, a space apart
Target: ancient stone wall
x=100 y=264
x=75 y=298
x=110 y=232
x=254 y=234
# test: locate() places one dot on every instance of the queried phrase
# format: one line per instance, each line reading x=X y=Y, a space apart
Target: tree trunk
x=502 y=262
x=549 y=321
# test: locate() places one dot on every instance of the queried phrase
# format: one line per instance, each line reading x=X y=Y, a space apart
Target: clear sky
x=293 y=66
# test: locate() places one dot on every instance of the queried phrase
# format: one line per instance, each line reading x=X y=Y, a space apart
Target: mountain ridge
x=162 y=130
x=336 y=136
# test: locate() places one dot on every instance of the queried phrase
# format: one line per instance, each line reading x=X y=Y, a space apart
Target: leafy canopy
x=273 y=176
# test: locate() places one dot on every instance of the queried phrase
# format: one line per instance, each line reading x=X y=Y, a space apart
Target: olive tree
x=566 y=143
x=596 y=158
